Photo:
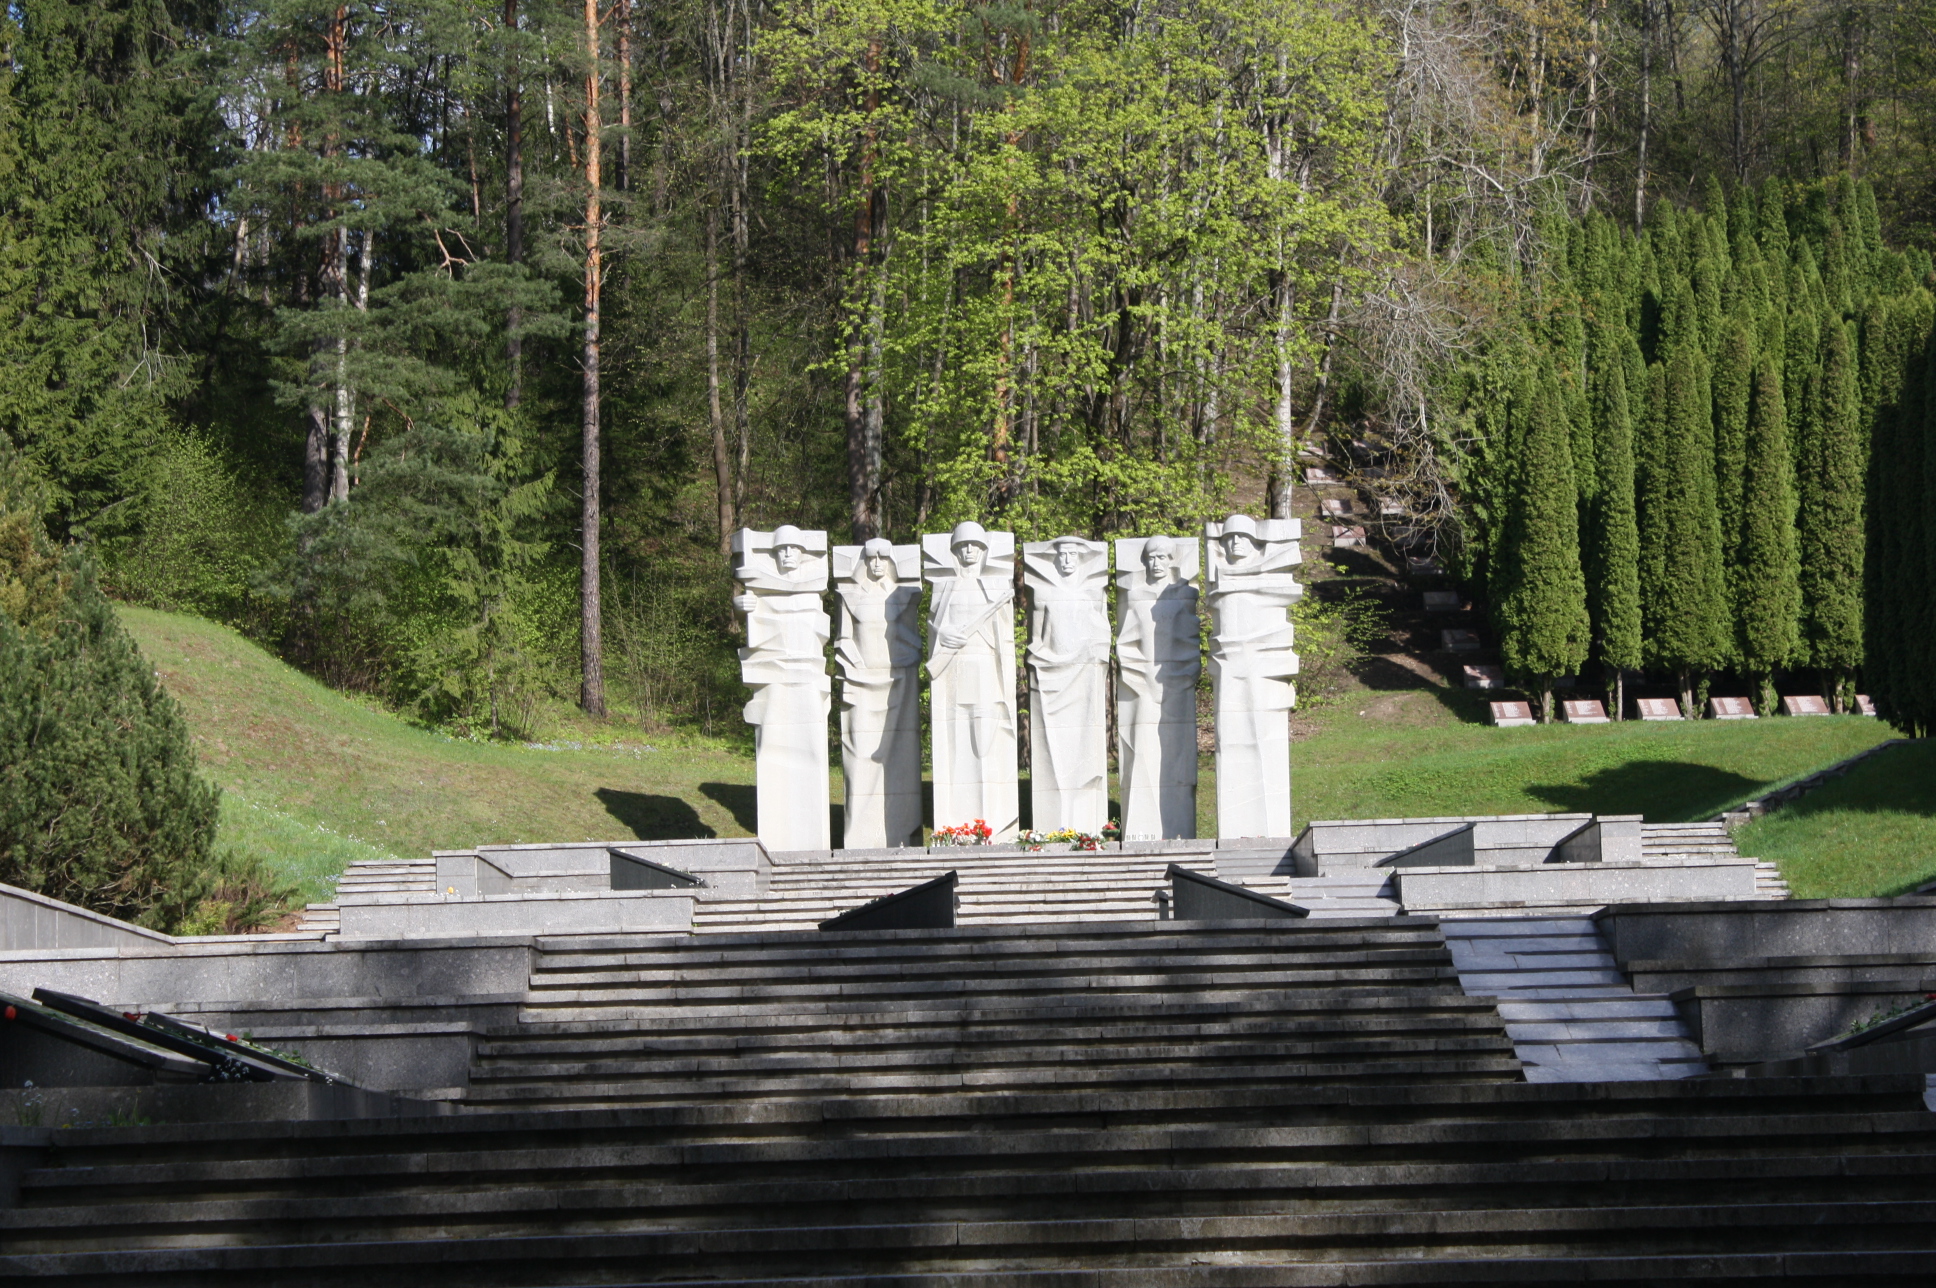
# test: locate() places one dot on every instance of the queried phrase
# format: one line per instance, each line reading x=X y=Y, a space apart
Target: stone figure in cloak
x=781 y=576
x=1068 y=657
x=1251 y=590
x=878 y=645
x=1158 y=660
x=971 y=677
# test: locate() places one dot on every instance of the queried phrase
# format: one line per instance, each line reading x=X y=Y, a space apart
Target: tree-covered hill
x=439 y=345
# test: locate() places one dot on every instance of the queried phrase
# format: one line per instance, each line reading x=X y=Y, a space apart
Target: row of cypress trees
x=1900 y=575
x=1673 y=442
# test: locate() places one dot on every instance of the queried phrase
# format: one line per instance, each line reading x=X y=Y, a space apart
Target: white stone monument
x=781 y=576
x=878 y=645
x=1251 y=589
x=971 y=677
x=1158 y=659
x=1068 y=657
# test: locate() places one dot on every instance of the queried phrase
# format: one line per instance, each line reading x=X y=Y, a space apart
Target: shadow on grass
x=741 y=800
x=1666 y=791
x=655 y=818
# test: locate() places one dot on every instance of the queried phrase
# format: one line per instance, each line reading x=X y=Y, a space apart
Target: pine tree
x=1684 y=612
x=1538 y=593
x=100 y=804
x=1834 y=463
x=1766 y=586
x=1610 y=542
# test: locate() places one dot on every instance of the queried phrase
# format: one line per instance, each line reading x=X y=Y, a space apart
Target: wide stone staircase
x=1103 y=1006
x=1065 y=1105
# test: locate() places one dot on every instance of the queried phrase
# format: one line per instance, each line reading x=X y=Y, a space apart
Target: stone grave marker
x=1335 y=507
x=1805 y=704
x=1864 y=705
x=1346 y=537
x=1391 y=505
x=1424 y=567
x=1442 y=601
x=1318 y=474
x=1658 y=708
x=1507 y=714
x=1483 y=677
x=1584 y=711
x=1731 y=709
x=1459 y=641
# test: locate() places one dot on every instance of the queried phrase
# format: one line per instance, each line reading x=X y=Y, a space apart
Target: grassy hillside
x=1424 y=752
x=314 y=779
x=1870 y=833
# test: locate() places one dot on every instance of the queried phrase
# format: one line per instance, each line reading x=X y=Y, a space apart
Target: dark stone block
x=632 y=872
x=1195 y=897
x=928 y=906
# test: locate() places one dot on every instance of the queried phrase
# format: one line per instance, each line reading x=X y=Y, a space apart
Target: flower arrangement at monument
x=1062 y=836
x=975 y=833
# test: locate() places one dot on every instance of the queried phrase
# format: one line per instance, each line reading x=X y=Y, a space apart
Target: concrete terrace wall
x=29 y=920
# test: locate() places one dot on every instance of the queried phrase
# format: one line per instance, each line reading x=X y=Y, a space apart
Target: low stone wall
x=29 y=920
x=1762 y=981
x=1733 y=932
x=532 y=912
x=392 y=1016
x=1425 y=889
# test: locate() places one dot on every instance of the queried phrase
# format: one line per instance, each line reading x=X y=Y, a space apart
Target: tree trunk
x=1592 y=104
x=863 y=446
x=513 y=206
x=1284 y=462
x=622 y=16
x=1646 y=110
x=316 y=460
x=1851 y=79
x=591 y=694
x=722 y=460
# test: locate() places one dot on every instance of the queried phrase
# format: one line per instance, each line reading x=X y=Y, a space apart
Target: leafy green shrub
x=204 y=534
x=1332 y=633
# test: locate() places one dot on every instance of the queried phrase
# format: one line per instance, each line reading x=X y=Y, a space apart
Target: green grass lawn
x=1871 y=832
x=1422 y=752
x=313 y=779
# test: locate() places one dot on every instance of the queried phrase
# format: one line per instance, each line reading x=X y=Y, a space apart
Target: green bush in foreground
x=100 y=804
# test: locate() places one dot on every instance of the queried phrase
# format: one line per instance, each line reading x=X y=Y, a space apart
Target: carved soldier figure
x=1251 y=590
x=878 y=645
x=971 y=677
x=1068 y=657
x=1158 y=660
x=781 y=575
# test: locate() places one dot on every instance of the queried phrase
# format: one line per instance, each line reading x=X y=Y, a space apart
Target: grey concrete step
x=1570 y=1011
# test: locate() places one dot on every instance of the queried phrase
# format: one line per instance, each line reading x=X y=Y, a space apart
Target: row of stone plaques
x=969 y=658
x=1592 y=711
